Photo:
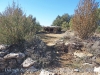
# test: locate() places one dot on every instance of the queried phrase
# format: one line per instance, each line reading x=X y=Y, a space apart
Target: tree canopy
x=62 y=21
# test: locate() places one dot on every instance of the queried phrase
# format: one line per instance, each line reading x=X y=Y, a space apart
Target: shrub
x=15 y=26
x=65 y=26
x=85 y=18
x=98 y=29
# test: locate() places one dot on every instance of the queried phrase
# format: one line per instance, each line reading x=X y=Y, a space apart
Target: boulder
x=28 y=62
x=14 y=55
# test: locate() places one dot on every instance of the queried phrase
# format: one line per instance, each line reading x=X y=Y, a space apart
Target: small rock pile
x=33 y=53
x=69 y=42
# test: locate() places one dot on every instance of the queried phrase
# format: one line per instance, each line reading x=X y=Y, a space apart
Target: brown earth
x=50 y=39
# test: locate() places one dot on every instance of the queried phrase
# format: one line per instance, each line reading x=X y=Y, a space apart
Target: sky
x=45 y=11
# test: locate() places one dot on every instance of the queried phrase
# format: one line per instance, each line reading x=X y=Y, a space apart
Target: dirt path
x=65 y=59
x=50 y=39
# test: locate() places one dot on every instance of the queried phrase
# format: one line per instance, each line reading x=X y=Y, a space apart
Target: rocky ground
x=67 y=55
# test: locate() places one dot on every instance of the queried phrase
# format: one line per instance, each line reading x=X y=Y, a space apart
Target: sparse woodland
x=74 y=52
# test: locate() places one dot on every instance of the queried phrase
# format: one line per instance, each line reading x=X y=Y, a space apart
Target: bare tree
x=85 y=18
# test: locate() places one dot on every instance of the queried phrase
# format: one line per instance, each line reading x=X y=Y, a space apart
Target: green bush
x=15 y=26
x=65 y=26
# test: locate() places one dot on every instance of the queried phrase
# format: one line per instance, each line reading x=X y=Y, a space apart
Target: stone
x=97 y=70
x=97 y=59
x=77 y=45
x=79 y=54
x=14 y=72
x=82 y=54
x=44 y=72
x=96 y=45
x=28 y=62
x=59 y=42
x=14 y=55
x=12 y=63
x=28 y=52
x=87 y=64
x=31 y=69
x=76 y=70
x=3 y=65
x=67 y=43
x=2 y=47
x=21 y=55
x=2 y=54
x=1 y=59
x=89 y=55
x=88 y=45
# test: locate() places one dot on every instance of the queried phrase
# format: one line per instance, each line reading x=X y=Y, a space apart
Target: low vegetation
x=85 y=20
x=16 y=26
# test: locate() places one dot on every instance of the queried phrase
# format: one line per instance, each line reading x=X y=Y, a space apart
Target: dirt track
x=50 y=39
x=65 y=59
